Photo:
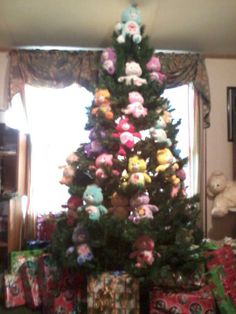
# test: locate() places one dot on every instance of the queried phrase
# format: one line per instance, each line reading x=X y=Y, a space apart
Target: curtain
x=62 y=68
x=188 y=68
x=51 y=69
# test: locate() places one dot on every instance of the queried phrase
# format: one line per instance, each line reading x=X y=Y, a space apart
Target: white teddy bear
x=133 y=72
x=223 y=192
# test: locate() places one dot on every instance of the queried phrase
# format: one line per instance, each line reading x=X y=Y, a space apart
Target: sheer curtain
x=56 y=120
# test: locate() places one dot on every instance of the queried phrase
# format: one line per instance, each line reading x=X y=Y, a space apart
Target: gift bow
x=104 y=300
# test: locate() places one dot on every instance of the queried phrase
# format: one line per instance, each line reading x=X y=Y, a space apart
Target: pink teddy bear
x=143 y=251
x=136 y=105
x=127 y=135
x=108 y=60
x=104 y=161
x=154 y=67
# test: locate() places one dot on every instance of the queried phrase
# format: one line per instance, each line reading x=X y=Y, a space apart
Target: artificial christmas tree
x=128 y=209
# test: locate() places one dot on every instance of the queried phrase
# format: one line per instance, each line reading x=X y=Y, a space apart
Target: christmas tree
x=128 y=208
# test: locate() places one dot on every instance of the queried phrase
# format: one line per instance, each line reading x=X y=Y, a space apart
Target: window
x=56 y=122
x=182 y=101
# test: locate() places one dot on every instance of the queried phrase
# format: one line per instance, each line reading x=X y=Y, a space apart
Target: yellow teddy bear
x=102 y=103
x=165 y=160
x=137 y=175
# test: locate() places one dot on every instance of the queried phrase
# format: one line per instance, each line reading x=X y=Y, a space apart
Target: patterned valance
x=52 y=68
x=56 y=68
x=182 y=68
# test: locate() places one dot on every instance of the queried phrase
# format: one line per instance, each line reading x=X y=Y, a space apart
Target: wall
x=221 y=73
x=3 y=80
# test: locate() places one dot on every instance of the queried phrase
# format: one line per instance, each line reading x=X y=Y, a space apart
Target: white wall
x=3 y=80
x=221 y=73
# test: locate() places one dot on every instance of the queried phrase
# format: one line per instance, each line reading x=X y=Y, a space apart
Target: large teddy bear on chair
x=223 y=193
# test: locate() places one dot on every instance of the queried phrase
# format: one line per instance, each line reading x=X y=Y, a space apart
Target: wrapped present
x=36 y=244
x=188 y=302
x=61 y=291
x=48 y=277
x=111 y=293
x=223 y=256
x=29 y=278
x=14 y=293
x=45 y=226
x=18 y=258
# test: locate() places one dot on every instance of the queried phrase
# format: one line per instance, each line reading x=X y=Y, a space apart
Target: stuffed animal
x=72 y=204
x=223 y=193
x=133 y=72
x=140 y=208
x=130 y=25
x=72 y=159
x=120 y=206
x=137 y=175
x=93 y=198
x=103 y=163
x=80 y=239
x=92 y=148
x=102 y=104
x=108 y=60
x=143 y=251
x=165 y=160
x=135 y=107
x=159 y=136
x=68 y=175
x=127 y=135
x=154 y=68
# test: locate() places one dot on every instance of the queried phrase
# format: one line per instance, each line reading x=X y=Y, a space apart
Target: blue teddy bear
x=93 y=198
x=129 y=25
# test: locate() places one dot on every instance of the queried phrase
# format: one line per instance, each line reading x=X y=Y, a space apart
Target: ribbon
x=104 y=300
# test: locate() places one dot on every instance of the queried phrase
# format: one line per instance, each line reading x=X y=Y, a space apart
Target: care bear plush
x=143 y=251
x=130 y=25
x=93 y=198
x=165 y=159
x=154 y=68
x=127 y=135
x=135 y=106
x=120 y=206
x=140 y=207
x=137 y=176
x=133 y=72
x=108 y=60
x=223 y=193
x=102 y=104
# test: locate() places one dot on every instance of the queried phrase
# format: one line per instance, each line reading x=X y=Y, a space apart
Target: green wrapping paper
x=224 y=302
x=18 y=258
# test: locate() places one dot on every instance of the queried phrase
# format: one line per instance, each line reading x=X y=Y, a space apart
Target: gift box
x=28 y=272
x=112 y=293
x=18 y=258
x=45 y=226
x=48 y=277
x=13 y=290
x=187 y=302
x=68 y=294
x=36 y=244
x=223 y=256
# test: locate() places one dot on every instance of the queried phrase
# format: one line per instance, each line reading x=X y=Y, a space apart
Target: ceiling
x=206 y=26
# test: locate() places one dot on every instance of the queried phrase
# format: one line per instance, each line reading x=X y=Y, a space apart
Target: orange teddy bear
x=102 y=104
